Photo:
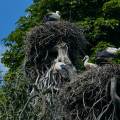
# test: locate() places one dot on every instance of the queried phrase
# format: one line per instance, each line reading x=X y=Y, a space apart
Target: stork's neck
x=63 y=54
x=86 y=61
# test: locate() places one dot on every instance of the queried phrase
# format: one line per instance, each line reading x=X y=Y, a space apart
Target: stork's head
x=86 y=57
x=58 y=12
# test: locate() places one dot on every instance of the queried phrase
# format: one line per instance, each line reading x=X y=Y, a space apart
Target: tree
x=100 y=20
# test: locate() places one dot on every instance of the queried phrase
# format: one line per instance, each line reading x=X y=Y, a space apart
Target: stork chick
x=59 y=66
x=52 y=16
x=88 y=65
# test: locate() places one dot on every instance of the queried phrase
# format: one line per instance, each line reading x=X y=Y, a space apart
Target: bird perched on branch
x=52 y=16
x=88 y=65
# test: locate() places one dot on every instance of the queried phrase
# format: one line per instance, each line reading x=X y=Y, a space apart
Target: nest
x=42 y=39
x=88 y=98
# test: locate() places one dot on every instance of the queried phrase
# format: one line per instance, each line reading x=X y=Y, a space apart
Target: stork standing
x=88 y=65
x=52 y=16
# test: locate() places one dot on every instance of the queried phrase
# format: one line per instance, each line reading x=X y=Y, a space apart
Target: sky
x=10 y=12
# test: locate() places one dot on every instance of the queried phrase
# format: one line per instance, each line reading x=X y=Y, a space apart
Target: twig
x=20 y=116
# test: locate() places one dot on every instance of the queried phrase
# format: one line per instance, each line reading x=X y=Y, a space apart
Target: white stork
x=52 y=16
x=112 y=50
x=59 y=66
x=88 y=65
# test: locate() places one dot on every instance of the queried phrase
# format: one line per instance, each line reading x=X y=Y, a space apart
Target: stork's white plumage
x=52 y=16
x=112 y=50
x=59 y=66
x=55 y=15
x=88 y=65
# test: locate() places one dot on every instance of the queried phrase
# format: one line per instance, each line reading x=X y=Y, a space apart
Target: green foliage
x=117 y=60
x=14 y=96
x=2 y=96
x=111 y=9
x=101 y=28
x=13 y=58
x=87 y=25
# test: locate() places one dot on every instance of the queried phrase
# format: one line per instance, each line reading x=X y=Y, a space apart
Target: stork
x=59 y=66
x=112 y=50
x=62 y=69
x=88 y=65
x=52 y=16
x=106 y=55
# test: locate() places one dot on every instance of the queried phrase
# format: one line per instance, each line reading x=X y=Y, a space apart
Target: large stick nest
x=42 y=39
x=88 y=98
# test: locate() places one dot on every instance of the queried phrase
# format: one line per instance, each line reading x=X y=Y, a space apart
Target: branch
x=20 y=116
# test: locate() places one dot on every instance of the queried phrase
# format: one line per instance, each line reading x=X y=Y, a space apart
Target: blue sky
x=10 y=12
